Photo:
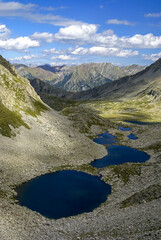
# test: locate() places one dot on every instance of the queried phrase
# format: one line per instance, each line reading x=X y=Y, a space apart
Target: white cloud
x=142 y=41
x=77 y=32
x=120 y=22
x=152 y=57
x=112 y=52
x=81 y=32
x=45 y=36
x=126 y=53
x=95 y=50
x=12 y=6
x=4 y=32
x=53 y=51
x=26 y=57
x=87 y=34
x=155 y=15
x=79 y=51
x=31 y=12
x=53 y=64
x=104 y=51
x=52 y=8
x=108 y=32
x=50 y=19
x=63 y=57
x=20 y=43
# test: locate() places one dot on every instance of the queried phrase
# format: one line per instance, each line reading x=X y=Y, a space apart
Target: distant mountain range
x=78 y=77
x=146 y=82
x=42 y=87
x=142 y=83
x=34 y=72
x=55 y=69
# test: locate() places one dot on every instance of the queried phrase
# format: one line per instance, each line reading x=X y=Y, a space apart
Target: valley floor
x=131 y=212
x=139 y=108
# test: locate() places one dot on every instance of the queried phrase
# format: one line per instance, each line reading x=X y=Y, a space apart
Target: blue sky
x=70 y=32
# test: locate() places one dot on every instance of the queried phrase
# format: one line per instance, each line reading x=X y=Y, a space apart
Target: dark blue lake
x=132 y=136
x=124 y=128
x=120 y=154
x=63 y=194
x=105 y=138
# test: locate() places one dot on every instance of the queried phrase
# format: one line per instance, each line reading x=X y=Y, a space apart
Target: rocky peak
x=7 y=65
x=156 y=66
x=78 y=77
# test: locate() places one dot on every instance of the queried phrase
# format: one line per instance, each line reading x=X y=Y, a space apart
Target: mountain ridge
x=144 y=82
x=78 y=77
x=129 y=86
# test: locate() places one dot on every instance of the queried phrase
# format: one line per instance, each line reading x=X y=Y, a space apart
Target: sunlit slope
x=144 y=109
x=16 y=96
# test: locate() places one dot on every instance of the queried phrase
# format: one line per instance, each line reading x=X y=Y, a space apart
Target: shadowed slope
x=145 y=82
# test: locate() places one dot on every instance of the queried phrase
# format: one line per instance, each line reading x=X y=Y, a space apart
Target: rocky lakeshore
x=133 y=209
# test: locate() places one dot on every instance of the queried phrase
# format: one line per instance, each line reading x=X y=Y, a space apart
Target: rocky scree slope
x=35 y=140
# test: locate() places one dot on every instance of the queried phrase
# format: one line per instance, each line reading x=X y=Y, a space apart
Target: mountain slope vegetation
x=16 y=95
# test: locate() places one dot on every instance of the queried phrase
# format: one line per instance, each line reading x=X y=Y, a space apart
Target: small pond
x=120 y=154
x=63 y=194
x=105 y=138
x=132 y=137
x=124 y=128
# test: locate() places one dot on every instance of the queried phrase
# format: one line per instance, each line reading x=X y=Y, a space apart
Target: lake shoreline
x=110 y=220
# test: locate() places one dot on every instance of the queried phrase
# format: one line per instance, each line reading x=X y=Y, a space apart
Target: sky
x=69 y=32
